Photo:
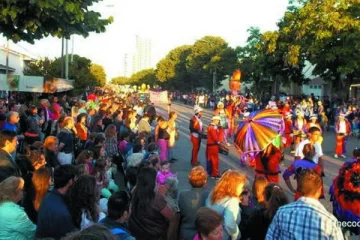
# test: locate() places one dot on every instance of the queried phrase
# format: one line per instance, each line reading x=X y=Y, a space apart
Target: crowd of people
x=99 y=167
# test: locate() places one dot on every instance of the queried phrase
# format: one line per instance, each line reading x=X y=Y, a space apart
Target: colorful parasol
x=258 y=130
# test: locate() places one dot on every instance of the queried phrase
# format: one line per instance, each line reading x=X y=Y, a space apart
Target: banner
x=37 y=84
x=159 y=97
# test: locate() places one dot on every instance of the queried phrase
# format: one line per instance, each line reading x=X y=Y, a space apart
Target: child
x=102 y=179
x=164 y=173
x=151 y=150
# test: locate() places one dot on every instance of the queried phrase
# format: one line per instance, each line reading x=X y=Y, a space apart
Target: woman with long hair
x=267 y=163
x=41 y=181
x=111 y=143
x=173 y=135
x=259 y=222
x=50 y=150
x=150 y=213
x=14 y=223
x=162 y=138
x=81 y=128
x=85 y=157
x=83 y=202
x=225 y=199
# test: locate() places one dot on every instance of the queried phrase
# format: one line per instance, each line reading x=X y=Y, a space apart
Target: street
x=183 y=153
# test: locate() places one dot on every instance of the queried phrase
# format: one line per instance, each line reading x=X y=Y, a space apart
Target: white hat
x=216 y=118
x=246 y=114
x=313 y=116
x=220 y=103
x=198 y=109
x=319 y=102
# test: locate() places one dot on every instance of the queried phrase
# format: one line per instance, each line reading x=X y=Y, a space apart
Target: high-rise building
x=142 y=56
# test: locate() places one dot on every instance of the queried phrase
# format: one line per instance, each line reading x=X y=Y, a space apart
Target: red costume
x=288 y=132
x=195 y=129
x=212 y=150
x=268 y=166
x=341 y=136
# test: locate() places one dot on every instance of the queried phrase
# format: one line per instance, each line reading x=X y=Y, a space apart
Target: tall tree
x=172 y=70
x=29 y=20
x=211 y=56
x=146 y=76
x=120 y=80
x=327 y=33
x=99 y=74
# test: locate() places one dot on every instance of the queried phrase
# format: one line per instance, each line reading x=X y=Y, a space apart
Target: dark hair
x=63 y=174
x=118 y=203
x=96 y=151
x=137 y=148
x=83 y=156
x=309 y=182
x=166 y=162
x=94 y=232
x=275 y=197
x=6 y=136
x=314 y=129
x=145 y=189
x=131 y=175
x=124 y=135
x=207 y=220
x=99 y=166
x=356 y=152
x=84 y=196
x=151 y=147
x=309 y=151
x=80 y=116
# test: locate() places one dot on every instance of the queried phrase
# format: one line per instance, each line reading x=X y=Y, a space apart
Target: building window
x=319 y=87
x=311 y=86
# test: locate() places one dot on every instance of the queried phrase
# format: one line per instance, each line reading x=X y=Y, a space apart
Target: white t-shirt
x=300 y=148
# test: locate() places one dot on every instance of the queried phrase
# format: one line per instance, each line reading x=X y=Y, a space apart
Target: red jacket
x=213 y=136
x=288 y=126
x=195 y=126
x=347 y=126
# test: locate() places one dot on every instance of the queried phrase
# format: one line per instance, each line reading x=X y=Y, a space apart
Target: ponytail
x=275 y=198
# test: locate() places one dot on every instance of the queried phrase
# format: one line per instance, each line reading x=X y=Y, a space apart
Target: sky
x=168 y=23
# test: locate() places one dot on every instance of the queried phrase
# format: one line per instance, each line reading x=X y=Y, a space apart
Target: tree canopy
x=79 y=71
x=99 y=74
x=29 y=20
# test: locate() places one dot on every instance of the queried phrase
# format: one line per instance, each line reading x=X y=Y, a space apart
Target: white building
x=142 y=58
x=17 y=61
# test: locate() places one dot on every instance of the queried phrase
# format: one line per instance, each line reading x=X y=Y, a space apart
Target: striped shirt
x=304 y=219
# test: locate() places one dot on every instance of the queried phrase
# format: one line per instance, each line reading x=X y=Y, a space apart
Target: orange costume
x=212 y=150
x=196 y=127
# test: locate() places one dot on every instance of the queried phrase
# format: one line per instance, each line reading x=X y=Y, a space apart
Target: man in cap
x=196 y=128
x=212 y=148
x=343 y=130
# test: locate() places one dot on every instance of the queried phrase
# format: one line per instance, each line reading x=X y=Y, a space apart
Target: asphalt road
x=183 y=153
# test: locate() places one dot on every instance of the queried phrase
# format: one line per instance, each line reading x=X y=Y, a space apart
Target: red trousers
x=212 y=160
x=340 y=145
x=195 y=150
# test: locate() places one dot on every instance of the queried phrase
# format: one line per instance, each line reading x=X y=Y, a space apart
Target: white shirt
x=342 y=127
x=318 y=150
x=201 y=127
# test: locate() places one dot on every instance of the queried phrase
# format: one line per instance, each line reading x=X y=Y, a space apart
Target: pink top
x=197 y=237
x=122 y=145
x=161 y=177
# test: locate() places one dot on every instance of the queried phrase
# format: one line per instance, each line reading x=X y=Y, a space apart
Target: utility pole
x=7 y=59
x=72 y=48
x=67 y=60
x=62 y=57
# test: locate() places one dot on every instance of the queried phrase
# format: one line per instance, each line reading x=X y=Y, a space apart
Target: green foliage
x=146 y=76
x=29 y=20
x=120 y=80
x=327 y=33
x=79 y=71
x=99 y=74
x=211 y=54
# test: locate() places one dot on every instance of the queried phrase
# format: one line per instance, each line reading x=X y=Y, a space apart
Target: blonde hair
x=68 y=121
x=227 y=186
x=10 y=187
